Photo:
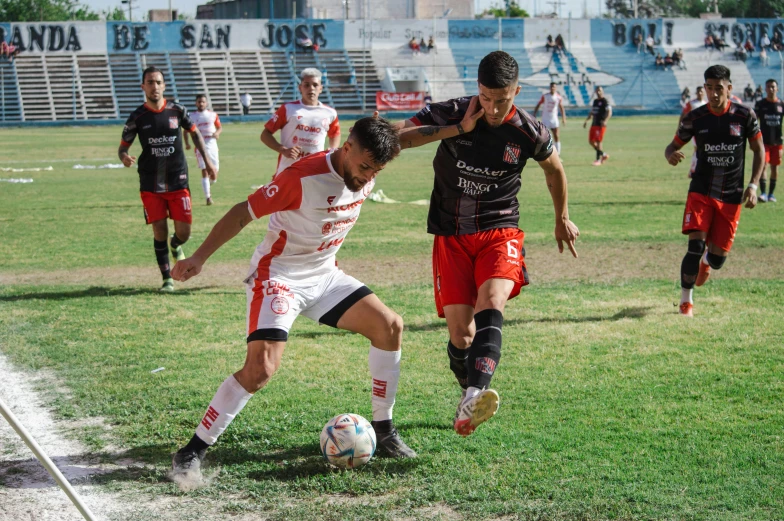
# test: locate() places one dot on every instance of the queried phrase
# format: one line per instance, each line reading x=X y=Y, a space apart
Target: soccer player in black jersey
x=721 y=129
x=770 y=111
x=163 y=169
x=478 y=254
x=601 y=113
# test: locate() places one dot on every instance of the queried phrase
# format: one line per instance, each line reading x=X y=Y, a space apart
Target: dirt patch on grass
x=597 y=263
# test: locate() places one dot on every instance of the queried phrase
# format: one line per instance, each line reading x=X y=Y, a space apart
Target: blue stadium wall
x=600 y=51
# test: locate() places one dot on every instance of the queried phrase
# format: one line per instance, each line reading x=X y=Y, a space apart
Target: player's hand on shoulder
x=675 y=158
x=472 y=115
x=128 y=161
x=566 y=231
x=186 y=269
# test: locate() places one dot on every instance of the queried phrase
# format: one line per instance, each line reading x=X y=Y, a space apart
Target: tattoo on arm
x=428 y=131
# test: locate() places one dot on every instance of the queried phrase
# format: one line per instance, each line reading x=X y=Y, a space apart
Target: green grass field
x=612 y=405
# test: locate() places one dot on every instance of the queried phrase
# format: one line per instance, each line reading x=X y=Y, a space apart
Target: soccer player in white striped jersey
x=303 y=124
x=552 y=102
x=210 y=127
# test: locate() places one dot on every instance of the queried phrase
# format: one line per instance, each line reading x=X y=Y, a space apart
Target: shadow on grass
x=632 y=312
x=101 y=291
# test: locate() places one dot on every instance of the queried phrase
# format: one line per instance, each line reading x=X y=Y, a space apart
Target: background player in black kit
x=163 y=169
x=770 y=111
x=478 y=254
x=601 y=111
x=716 y=192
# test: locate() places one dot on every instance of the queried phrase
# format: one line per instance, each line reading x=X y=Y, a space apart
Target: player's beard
x=354 y=184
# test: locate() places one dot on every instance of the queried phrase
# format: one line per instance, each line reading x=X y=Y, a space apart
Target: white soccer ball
x=348 y=441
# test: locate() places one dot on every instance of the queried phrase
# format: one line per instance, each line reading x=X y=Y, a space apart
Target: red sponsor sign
x=400 y=100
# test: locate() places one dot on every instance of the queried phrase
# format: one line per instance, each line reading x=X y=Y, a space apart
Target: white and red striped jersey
x=693 y=104
x=311 y=212
x=303 y=126
x=207 y=121
x=550 y=104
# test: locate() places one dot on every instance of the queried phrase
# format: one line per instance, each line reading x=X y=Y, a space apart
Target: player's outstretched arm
x=417 y=136
x=198 y=142
x=673 y=153
x=565 y=230
x=224 y=230
x=126 y=159
x=758 y=165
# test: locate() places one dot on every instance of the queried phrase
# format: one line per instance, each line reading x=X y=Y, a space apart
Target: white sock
x=227 y=403
x=704 y=259
x=686 y=295
x=213 y=181
x=471 y=392
x=205 y=185
x=558 y=147
x=384 y=374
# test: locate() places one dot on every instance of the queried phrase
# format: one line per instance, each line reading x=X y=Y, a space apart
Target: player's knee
x=393 y=330
x=715 y=261
x=696 y=247
x=461 y=339
x=258 y=371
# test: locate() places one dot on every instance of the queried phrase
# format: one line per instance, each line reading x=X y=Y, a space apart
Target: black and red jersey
x=162 y=165
x=721 y=149
x=478 y=174
x=599 y=111
x=770 y=114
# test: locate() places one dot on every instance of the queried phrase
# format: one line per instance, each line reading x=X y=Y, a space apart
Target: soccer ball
x=348 y=441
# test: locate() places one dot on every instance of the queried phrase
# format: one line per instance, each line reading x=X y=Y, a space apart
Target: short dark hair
x=700 y=87
x=553 y=83
x=151 y=70
x=498 y=70
x=378 y=137
x=200 y=96
x=717 y=72
x=771 y=81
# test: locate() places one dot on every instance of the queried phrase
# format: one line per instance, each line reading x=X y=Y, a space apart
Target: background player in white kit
x=697 y=102
x=552 y=102
x=209 y=125
x=303 y=124
x=312 y=207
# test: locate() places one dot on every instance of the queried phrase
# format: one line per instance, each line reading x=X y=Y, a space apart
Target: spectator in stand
x=677 y=58
x=306 y=44
x=709 y=42
x=764 y=41
x=775 y=42
x=764 y=60
x=423 y=44
x=8 y=51
x=667 y=62
x=740 y=53
x=431 y=44
x=650 y=43
x=719 y=43
x=638 y=42
x=414 y=46
x=659 y=62
x=758 y=94
x=748 y=92
x=749 y=46
x=245 y=100
x=560 y=46
x=549 y=45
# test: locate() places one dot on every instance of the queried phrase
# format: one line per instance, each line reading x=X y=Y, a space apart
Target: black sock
x=690 y=266
x=485 y=351
x=162 y=254
x=382 y=426
x=763 y=185
x=772 y=186
x=196 y=445
x=175 y=242
x=457 y=363
x=598 y=155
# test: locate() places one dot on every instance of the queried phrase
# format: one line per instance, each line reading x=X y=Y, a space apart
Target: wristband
x=752 y=186
x=460 y=129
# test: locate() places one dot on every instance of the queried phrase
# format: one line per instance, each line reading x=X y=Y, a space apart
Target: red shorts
x=718 y=219
x=462 y=263
x=773 y=154
x=596 y=134
x=176 y=205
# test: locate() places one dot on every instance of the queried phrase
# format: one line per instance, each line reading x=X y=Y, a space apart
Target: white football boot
x=473 y=412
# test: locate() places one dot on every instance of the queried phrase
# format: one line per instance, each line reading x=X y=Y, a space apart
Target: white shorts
x=275 y=303
x=550 y=123
x=211 y=147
